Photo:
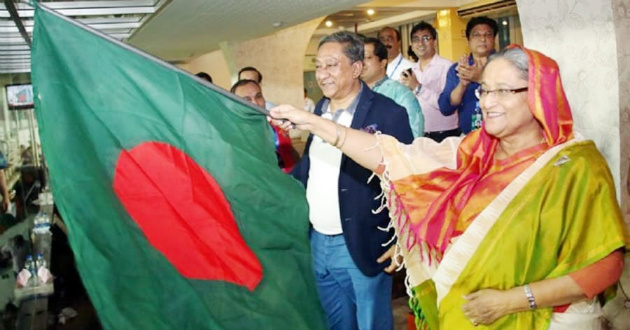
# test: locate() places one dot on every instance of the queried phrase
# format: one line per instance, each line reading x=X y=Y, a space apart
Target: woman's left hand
x=485 y=306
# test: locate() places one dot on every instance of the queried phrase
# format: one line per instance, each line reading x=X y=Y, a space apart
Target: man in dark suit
x=346 y=241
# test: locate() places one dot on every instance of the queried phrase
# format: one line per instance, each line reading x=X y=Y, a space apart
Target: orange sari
x=442 y=203
x=433 y=199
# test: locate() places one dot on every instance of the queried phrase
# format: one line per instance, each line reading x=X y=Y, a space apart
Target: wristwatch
x=417 y=89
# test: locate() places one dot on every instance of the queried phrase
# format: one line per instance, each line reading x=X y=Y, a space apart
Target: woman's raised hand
x=287 y=117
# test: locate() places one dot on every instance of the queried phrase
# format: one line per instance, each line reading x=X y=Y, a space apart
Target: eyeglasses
x=500 y=93
x=482 y=35
x=423 y=39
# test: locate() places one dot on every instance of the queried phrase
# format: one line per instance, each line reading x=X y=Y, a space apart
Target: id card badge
x=476 y=119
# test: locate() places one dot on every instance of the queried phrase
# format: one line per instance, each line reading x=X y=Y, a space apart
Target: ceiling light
x=370 y=12
x=504 y=22
x=329 y=23
x=277 y=24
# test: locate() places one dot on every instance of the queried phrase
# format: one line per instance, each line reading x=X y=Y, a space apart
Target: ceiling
x=189 y=28
x=178 y=30
x=119 y=19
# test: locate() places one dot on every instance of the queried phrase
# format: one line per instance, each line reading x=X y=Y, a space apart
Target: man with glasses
x=351 y=254
x=397 y=63
x=427 y=80
x=463 y=77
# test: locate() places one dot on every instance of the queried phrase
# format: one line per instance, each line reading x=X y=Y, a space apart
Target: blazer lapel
x=358 y=120
x=360 y=114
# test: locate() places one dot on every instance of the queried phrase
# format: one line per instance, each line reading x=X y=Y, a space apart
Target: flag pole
x=154 y=59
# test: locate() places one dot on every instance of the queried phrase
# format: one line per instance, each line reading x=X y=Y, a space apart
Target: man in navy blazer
x=346 y=237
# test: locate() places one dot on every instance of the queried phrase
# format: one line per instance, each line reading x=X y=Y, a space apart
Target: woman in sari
x=516 y=225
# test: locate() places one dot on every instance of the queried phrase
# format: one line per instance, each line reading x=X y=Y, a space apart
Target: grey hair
x=352 y=44
x=517 y=57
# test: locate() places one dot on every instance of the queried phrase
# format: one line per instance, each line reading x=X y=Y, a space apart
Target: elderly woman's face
x=505 y=111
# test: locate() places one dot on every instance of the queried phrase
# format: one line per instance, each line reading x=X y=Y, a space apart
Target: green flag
x=178 y=215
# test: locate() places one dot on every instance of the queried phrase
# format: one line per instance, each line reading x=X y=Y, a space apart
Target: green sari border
x=464 y=248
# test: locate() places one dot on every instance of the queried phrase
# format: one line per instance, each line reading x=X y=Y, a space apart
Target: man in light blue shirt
x=374 y=74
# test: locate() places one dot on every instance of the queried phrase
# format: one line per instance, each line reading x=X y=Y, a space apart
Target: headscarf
x=434 y=201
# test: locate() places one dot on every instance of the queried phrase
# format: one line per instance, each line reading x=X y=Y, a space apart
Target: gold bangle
x=345 y=135
x=338 y=136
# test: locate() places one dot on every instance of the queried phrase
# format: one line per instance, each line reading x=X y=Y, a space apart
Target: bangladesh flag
x=178 y=215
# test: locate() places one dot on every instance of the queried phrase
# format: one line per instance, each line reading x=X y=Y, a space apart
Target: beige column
x=212 y=63
x=279 y=57
x=451 y=34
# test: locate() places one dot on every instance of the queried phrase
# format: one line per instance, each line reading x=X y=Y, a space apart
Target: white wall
x=580 y=36
x=621 y=17
x=589 y=40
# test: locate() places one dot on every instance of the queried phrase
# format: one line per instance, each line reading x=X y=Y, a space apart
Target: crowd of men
x=368 y=84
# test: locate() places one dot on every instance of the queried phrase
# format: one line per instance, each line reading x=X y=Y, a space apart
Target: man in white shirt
x=309 y=104
x=350 y=253
x=397 y=63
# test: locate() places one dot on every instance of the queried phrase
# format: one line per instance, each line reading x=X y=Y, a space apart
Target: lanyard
x=397 y=64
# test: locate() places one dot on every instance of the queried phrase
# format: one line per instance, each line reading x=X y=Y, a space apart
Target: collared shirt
x=405 y=98
x=433 y=79
x=397 y=66
x=309 y=105
x=468 y=108
x=322 y=192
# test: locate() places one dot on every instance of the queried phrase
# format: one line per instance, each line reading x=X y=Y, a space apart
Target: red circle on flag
x=184 y=214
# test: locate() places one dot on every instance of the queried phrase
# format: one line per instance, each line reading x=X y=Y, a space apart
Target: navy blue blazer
x=356 y=195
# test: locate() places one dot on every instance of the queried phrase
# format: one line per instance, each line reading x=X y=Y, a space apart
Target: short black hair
x=482 y=20
x=204 y=75
x=250 y=68
x=422 y=26
x=390 y=28
x=243 y=82
x=379 y=48
x=18 y=240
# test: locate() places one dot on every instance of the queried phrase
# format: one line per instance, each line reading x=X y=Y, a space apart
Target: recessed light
x=277 y=24
x=329 y=23
x=370 y=11
x=504 y=22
